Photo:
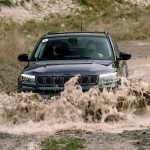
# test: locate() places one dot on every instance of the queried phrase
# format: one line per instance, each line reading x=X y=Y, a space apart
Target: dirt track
x=131 y=140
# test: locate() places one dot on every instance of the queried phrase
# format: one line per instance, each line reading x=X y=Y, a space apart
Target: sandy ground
x=131 y=140
x=140 y=52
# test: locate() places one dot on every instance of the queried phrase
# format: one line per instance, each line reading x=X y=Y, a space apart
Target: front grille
x=59 y=80
x=48 y=80
x=40 y=80
x=66 y=79
x=94 y=79
x=84 y=80
x=79 y=80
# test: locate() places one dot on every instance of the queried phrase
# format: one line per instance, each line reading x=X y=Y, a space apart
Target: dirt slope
x=37 y=9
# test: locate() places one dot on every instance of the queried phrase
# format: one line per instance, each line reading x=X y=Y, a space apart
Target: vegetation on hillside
x=6 y=3
x=9 y=3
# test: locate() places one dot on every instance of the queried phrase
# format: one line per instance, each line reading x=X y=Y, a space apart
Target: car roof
x=53 y=34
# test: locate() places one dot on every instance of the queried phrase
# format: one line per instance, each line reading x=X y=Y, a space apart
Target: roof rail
x=106 y=33
x=49 y=33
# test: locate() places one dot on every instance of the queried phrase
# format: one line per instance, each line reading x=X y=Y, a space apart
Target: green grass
x=65 y=143
x=100 y=5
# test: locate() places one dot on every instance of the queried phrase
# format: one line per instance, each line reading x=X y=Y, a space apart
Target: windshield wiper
x=77 y=57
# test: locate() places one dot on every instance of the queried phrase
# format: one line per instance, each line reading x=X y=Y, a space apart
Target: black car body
x=46 y=74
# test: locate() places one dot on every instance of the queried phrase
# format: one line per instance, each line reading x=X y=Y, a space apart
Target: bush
x=12 y=44
x=7 y=3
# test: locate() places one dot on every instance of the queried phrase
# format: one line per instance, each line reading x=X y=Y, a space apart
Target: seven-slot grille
x=60 y=81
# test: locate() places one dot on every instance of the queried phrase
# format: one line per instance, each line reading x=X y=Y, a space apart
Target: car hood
x=69 y=67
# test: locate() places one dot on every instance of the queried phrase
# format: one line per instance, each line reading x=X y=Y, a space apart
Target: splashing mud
x=128 y=106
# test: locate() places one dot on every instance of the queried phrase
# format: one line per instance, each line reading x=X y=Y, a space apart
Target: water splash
x=127 y=107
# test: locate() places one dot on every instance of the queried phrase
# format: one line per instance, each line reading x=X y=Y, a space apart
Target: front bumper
x=48 y=92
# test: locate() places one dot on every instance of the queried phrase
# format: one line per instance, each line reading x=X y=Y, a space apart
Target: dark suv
x=59 y=56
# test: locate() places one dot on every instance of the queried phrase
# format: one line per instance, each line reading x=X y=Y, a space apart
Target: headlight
x=27 y=78
x=110 y=77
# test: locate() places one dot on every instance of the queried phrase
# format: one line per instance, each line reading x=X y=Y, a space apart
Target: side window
x=117 y=51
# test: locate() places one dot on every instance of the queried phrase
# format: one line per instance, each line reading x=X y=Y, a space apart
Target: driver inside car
x=58 y=50
x=91 y=50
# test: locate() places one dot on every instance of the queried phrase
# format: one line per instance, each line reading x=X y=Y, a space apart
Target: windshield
x=96 y=48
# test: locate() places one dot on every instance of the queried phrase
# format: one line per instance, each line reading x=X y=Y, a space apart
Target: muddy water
x=127 y=108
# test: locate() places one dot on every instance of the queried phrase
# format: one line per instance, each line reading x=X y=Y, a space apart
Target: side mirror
x=23 y=57
x=124 y=56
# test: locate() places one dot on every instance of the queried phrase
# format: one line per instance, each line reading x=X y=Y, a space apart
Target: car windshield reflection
x=64 y=48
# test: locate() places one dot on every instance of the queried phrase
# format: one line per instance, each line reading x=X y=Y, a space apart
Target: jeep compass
x=57 y=57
